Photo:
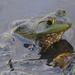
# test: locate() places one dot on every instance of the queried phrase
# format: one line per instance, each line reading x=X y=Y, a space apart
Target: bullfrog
x=47 y=30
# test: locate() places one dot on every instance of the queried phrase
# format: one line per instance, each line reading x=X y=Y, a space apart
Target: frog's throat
x=54 y=37
x=51 y=38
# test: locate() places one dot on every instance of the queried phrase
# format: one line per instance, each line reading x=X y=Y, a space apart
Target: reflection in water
x=43 y=63
x=11 y=66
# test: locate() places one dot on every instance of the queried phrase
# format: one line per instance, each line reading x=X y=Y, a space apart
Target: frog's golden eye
x=49 y=20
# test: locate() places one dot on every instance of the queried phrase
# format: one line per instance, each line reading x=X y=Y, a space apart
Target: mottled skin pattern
x=48 y=29
x=50 y=39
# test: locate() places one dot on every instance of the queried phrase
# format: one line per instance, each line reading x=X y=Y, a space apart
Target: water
x=11 y=10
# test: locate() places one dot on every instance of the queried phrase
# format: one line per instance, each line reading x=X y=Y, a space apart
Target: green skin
x=34 y=27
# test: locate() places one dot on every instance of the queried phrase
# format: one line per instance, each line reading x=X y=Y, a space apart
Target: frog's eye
x=49 y=20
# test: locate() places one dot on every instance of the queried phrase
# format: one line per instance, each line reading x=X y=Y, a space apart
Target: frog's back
x=27 y=29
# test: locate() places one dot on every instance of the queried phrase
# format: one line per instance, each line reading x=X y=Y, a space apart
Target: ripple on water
x=19 y=73
x=6 y=51
x=68 y=34
x=14 y=73
x=7 y=46
x=24 y=67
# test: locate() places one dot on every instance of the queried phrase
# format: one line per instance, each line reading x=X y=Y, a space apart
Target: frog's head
x=53 y=23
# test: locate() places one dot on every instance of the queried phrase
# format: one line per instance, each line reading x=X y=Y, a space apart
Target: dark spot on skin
x=19 y=28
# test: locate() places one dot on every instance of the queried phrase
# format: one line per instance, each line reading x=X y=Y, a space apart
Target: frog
x=46 y=30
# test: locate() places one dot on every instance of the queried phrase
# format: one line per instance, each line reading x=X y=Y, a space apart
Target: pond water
x=24 y=61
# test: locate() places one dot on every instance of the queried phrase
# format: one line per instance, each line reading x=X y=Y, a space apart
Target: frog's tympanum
x=47 y=30
x=63 y=60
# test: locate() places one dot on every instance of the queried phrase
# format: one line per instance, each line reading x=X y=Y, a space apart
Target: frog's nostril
x=64 y=11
